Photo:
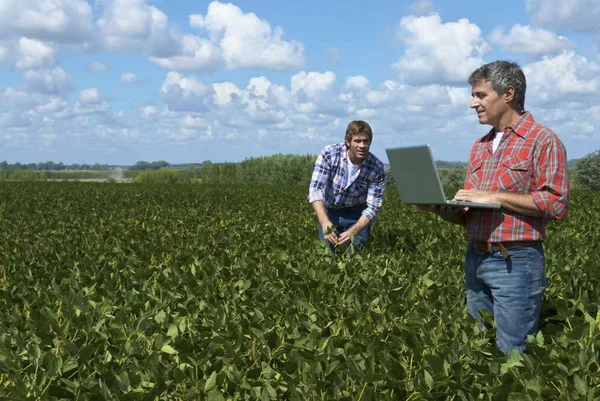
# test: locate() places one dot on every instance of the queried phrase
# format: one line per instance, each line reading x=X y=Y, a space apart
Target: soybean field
x=201 y=292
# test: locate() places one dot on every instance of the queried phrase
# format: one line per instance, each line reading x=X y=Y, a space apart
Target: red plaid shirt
x=530 y=159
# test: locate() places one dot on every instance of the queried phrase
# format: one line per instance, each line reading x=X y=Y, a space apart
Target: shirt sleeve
x=552 y=179
x=375 y=194
x=320 y=176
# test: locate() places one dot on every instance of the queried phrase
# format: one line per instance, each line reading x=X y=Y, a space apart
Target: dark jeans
x=345 y=218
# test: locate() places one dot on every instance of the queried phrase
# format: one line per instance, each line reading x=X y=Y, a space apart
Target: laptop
x=417 y=179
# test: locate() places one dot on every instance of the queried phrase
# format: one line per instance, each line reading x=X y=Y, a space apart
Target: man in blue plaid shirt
x=347 y=185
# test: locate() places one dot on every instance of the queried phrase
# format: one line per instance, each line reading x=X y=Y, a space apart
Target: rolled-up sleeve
x=375 y=194
x=552 y=180
x=320 y=176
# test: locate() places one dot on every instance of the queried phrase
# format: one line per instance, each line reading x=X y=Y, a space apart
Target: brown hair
x=358 y=127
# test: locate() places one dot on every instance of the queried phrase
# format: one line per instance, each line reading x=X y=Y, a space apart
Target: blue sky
x=118 y=81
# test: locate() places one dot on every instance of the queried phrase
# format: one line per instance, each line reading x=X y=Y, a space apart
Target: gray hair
x=502 y=74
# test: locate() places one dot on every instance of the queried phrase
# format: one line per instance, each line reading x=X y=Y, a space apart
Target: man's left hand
x=473 y=195
x=344 y=238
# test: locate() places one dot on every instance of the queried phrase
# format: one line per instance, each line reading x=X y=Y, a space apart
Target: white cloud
x=196 y=54
x=54 y=105
x=185 y=94
x=97 y=67
x=89 y=96
x=439 y=53
x=421 y=7
x=55 y=81
x=64 y=21
x=134 y=25
x=357 y=82
x=574 y=15
x=33 y=54
x=562 y=78
x=246 y=40
x=313 y=84
x=530 y=41
x=224 y=91
x=130 y=78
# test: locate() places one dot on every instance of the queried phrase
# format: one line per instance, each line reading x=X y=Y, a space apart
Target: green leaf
x=168 y=349
x=435 y=362
x=211 y=383
x=160 y=317
x=428 y=379
x=580 y=385
x=214 y=395
x=173 y=332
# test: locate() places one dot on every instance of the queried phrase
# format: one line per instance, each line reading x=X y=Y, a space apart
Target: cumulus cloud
x=89 y=96
x=135 y=25
x=562 y=78
x=530 y=41
x=55 y=81
x=574 y=15
x=62 y=21
x=196 y=54
x=439 y=53
x=97 y=67
x=182 y=93
x=246 y=40
x=32 y=53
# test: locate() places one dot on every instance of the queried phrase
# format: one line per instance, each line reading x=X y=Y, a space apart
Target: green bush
x=588 y=171
x=162 y=176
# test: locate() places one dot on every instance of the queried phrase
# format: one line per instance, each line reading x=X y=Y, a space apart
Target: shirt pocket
x=474 y=172
x=515 y=176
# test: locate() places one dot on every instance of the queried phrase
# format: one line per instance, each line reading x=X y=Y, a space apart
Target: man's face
x=489 y=105
x=358 y=148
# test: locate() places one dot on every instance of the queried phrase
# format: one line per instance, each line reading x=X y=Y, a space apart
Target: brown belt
x=502 y=247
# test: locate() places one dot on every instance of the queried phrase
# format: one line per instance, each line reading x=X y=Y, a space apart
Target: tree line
x=276 y=169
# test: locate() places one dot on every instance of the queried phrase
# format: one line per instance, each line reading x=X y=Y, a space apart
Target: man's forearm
x=319 y=207
x=520 y=203
x=360 y=225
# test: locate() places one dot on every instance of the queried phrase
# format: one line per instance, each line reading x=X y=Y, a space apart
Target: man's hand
x=473 y=195
x=345 y=237
x=329 y=233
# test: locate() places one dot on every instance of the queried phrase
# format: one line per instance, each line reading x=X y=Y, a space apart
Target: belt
x=502 y=247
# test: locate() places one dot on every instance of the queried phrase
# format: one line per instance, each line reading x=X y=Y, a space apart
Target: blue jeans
x=511 y=289
x=345 y=218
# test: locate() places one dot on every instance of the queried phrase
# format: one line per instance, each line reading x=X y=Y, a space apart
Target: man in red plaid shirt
x=522 y=166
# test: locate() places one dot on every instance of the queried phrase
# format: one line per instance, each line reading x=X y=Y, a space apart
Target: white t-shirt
x=353 y=171
x=497 y=140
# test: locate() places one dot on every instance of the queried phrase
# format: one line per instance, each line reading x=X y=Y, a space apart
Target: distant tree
x=453 y=178
x=588 y=171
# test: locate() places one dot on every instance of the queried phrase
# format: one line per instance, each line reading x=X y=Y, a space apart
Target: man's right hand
x=329 y=233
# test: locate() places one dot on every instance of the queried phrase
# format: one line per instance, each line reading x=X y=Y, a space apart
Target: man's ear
x=510 y=94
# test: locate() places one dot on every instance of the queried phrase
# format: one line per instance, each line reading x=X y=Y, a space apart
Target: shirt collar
x=520 y=127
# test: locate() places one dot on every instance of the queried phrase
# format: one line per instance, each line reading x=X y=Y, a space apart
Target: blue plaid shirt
x=329 y=177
